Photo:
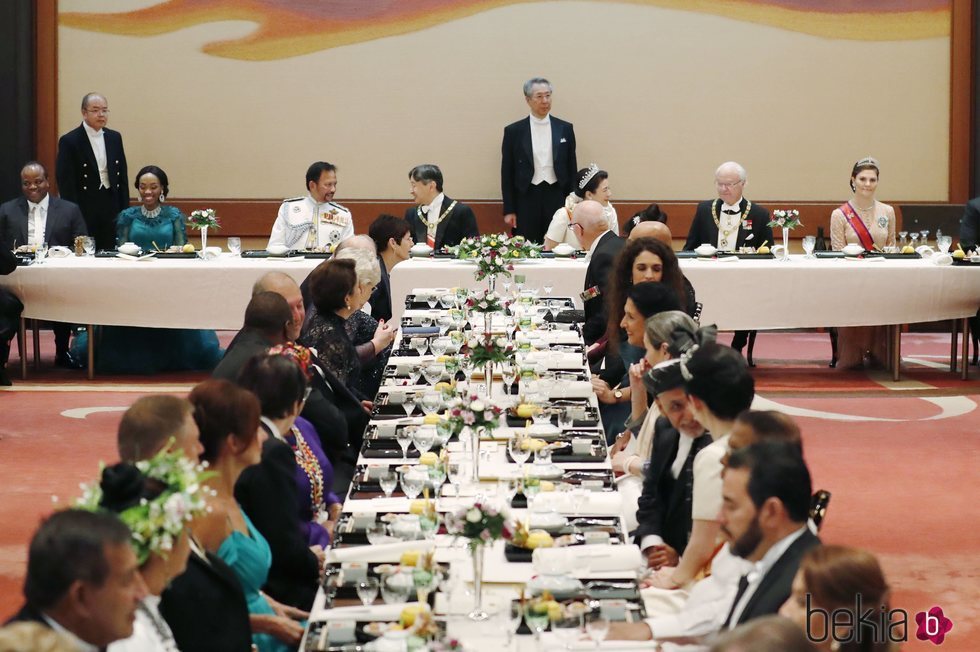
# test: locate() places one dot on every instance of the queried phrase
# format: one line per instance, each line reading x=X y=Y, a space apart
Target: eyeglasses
x=723 y=185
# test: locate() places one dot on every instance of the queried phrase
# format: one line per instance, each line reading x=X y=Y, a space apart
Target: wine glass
x=425 y=320
x=548 y=286
x=437 y=476
x=517 y=451
x=88 y=245
x=566 y=418
x=404 y=437
x=925 y=236
x=414 y=373
x=431 y=402
x=367 y=590
x=409 y=403
x=420 y=344
x=579 y=497
x=439 y=345
x=235 y=246
x=389 y=480
x=447 y=300
x=40 y=253
x=809 y=244
x=412 y=482
x=536 y=616
x=506 y=285
x=944 y=242
x=395 y=588
x=432 y=300
x=597 y=627
x=433 y=373
x=567 y=628
x=514 y=617
x=913 y=236
x=455 y=472
x=423 y=438
x=903 y=238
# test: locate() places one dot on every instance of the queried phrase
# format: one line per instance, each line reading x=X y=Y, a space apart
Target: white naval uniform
x=294 y=224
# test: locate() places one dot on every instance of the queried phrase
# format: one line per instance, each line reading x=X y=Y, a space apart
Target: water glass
x=420 y=344
x=40 y=253
x=377 y=533
x=412 y=482
x=367 y=590
x=235 y=246
x=455 y=471
x=88 y=245
x=423 y=438
x=431 y=402
x=567 y=629
x=388 y=481
x=404 y=437
x=409 y=403
x=809 y=244
x=517 y=451
x=597 y=627
x=433 y=372
x=396 y=588
x=566 y=418
x=536 y=616
x=944 y=242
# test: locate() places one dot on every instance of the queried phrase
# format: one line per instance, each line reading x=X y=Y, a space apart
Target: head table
x=736 y=294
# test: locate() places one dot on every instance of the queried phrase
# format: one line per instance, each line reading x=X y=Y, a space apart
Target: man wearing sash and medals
x=437 y=220
x=313 y=222
x=865 y=221
x=730 y=222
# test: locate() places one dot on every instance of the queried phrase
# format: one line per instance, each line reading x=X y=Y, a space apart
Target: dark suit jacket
x=517 y=159
x=8 y=262
x=27 y=614
x=78 y=172
x=970 y=224
x=206 y=609
x=64 y=222
x=776 y=586
x=597 y=276
x=704 y=230
x=381 y=297
x=662 y=508
x=268 y=494
x=459 y=224
x=323 y=407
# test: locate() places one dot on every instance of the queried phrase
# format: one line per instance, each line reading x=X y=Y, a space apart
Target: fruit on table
x=442 y=386
x=431 y=419
x=410 y=557
x=762 y=250
x=188 y=248
x=546 y=485
x=429 y=458
x=959 y=254
x=409 y=614
x=525 y=410
x=539 y=539
x=908 y=250
x=533 y=444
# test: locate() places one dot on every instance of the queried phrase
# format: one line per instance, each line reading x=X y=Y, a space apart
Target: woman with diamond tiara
x=592 y=183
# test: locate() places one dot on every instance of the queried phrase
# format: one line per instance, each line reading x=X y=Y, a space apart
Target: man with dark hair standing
x=35 y=218
x=83 y=578
x=313 y=222
x=437 y=220
x=91 y=170
x=538 y=166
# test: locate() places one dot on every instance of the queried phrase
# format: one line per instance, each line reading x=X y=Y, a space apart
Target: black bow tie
x=731 y=211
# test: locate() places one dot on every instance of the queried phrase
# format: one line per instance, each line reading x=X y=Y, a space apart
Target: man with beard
x=766 y=499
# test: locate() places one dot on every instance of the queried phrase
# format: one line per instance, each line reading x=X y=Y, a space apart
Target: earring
x=163 y=198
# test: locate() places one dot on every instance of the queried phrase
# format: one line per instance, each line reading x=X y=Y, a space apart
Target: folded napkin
x=942 y=259
x=386 y=552
x=556 y=359
x=369 y=613
x=59 y=251
x=573 y=389
x=597 y=503
x=595 y=558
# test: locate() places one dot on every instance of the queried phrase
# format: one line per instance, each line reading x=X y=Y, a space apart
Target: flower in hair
x=155 y=498
x=300 y=355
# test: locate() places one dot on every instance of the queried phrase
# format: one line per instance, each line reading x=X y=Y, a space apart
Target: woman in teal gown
x=128 y=350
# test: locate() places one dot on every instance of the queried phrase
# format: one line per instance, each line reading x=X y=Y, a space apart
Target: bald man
x=656 y=230
x=589 y=223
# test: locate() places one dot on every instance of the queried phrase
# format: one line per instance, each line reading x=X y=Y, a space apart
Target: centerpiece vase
x=492 y=282
x=785 y=256
x=475 y=447
x=478 y=614
x=488 y=377
x=204 y=242
x=488 y=323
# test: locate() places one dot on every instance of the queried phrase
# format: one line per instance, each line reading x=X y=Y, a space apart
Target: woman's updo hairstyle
x=867 y=163
x=588 y=180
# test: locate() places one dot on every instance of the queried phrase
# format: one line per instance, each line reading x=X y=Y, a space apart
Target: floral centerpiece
x=480 y=524
x=787 y=220
x=484 y=301
x=495 y=254
x=203 y=220
x=480 y=416
x=156 y=524
x=489 y=351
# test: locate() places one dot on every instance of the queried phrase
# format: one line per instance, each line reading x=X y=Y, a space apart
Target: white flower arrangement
x=787 y=219
x=205 y=218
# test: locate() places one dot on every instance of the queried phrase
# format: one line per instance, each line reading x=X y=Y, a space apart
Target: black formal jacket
x=776 y=586
x=664 y=507
x=459 y=224
x=597 y=276
x=324 y=408
x=206 y=609
x=704 y=230
x=78 y=172
x=970 y=224
x=381 y=297
x=517 y=159
x=268 y=494
x=64 y=222
x=8 y=262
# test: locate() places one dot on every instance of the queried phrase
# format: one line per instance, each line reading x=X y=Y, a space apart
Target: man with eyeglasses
x=91 y=170
x=730 y=222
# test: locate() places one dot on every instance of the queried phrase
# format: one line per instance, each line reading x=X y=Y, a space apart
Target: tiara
x=867 y=160
x=591 y=172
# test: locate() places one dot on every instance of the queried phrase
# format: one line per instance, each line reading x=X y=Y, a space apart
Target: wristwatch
x=618 y=395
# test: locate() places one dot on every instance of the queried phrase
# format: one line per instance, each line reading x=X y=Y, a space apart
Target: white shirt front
x=431 y=215
x=97 y=139
x=759 y=570
x=151 y=633
x=37 y=220
x=543 y=153
x=70 y=637
x=728 y=222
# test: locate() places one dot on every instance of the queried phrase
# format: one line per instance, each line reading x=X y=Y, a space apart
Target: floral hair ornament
x=299 y=355
x=686 y=358
x=156 y=498
x=589 y=173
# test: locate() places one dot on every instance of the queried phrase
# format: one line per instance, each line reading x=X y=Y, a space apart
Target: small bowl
x=563 y=249
x=128 y=248
x=706 y=250
x=277 y=250
x=420 y=249
x=853 y=250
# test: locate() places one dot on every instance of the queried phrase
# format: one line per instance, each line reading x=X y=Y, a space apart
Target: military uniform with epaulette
x=303 y=223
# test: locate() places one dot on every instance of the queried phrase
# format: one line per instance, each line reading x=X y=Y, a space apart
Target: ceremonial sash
x=858 y=225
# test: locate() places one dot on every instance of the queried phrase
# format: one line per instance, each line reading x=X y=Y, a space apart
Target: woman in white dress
x=592 y=183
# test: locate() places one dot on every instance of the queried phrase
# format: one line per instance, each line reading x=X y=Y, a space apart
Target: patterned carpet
x=891 y=454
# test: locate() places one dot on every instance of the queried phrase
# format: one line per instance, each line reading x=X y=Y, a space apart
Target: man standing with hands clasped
x=91 y=171
x=538 y=166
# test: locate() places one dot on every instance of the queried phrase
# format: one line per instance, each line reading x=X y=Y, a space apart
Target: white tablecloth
x=762 y=294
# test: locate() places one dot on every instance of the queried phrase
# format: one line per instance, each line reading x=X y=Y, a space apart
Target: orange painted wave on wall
x=288 y=28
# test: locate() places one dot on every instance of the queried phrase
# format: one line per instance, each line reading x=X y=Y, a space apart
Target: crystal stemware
x=412 y=482
x=367 y=590
x=389 y=479
x=925 y=236
x=903 y=238
x=404 y=438
x=809 y=244
x=423 y=438
x=409 y=403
